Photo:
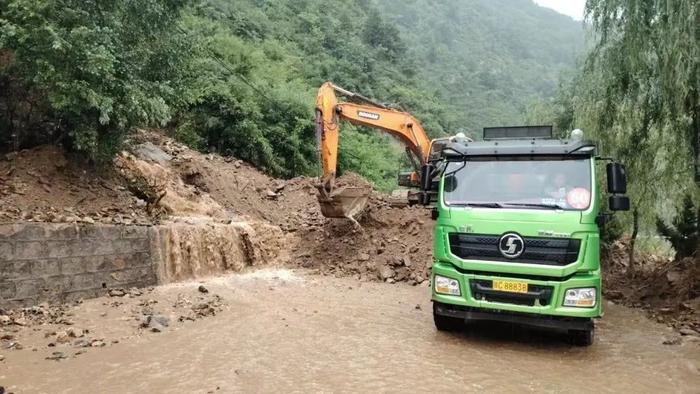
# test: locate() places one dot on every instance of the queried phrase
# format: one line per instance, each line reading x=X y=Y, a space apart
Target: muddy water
x=292 y=332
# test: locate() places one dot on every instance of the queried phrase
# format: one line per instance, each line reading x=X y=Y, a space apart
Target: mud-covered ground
x=293 y=331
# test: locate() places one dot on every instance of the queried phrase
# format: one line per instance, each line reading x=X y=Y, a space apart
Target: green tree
x=86 y=72
x=659 y=42
x=638 y=96
x=383 y=36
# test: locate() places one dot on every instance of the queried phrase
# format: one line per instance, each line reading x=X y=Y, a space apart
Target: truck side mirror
x=617 y=178
x=619 y=203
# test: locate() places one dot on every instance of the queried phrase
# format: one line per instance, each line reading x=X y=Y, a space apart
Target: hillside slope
x=487 y=59
x=240 y=77
x=455 y=65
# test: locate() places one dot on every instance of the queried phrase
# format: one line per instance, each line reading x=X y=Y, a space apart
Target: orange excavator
x=359 y=110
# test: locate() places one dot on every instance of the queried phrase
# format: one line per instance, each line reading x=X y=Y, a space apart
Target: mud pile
x=163 y=191
x=239 y=188
x=394 y=244
x=669 y=290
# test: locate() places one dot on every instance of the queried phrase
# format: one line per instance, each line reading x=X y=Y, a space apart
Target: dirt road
x=290 y=331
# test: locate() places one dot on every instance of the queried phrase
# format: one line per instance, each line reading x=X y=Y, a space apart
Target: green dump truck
x=517 y=235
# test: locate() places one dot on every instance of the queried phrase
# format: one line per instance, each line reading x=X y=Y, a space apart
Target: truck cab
x=517 y=235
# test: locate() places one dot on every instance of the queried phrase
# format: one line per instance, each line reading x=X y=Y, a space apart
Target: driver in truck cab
x=557 y=187
x=567 y=191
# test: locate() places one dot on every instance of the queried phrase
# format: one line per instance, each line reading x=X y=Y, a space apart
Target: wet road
x=287 y=331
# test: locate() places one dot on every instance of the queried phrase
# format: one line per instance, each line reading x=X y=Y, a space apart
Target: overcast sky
x=572 y=8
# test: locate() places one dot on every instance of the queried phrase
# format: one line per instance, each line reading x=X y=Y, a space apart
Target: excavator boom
x=361 y=111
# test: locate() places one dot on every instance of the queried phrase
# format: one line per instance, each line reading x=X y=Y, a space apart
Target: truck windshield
x=530 y=183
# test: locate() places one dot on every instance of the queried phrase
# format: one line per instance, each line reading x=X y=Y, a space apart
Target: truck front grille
x=545 y=251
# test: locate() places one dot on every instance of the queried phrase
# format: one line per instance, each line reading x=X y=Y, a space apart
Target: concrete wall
x=65 y=262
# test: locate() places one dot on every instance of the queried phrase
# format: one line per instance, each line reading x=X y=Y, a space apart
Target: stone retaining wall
x=65 y=262
x=61 y=263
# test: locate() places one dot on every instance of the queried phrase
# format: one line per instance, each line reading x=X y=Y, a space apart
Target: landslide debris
x=667 y=289
x=36 y=315
x=65 y=331
x=164 y=192
x=394 y=246
x=43 y=185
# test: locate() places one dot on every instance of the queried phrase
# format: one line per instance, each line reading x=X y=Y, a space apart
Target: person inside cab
x=557 y=187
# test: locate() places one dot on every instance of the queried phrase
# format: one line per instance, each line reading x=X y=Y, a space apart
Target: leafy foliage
x=634 y=106
x=487 y=59
x=239 y=77
x=86 y=71
x=637 y=93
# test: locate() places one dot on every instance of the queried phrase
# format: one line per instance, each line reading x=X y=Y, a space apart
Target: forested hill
x=488 y=58
x=240 y=77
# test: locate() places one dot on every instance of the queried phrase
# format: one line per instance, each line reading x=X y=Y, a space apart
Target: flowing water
x=295 y=332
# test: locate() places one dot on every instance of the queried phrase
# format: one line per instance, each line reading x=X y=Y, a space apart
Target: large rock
x=151 y=152
x=155 y=323
x=385 y=272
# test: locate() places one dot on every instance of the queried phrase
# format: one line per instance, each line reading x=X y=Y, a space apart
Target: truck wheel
x=446 y=323
x=582 y=337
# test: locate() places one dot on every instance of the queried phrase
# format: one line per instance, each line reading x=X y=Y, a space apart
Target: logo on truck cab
x=368 y=115
x=511 y=245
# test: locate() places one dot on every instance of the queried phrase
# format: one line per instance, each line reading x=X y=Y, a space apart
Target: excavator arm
x=365 y=112
x=357 y=109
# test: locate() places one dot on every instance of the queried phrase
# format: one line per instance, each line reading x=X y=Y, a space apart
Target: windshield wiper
x=477 y=204
x=522 y=204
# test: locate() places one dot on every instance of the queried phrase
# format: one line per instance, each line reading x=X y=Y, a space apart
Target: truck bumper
x=544 y=301
x=525 y=319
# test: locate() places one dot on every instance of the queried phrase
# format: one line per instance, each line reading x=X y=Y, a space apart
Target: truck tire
x=446 y=323
x=582 y=337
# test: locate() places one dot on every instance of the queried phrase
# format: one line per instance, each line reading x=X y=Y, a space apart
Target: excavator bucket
x=345 y=202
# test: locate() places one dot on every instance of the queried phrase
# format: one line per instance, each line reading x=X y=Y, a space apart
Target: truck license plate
x=511 y=287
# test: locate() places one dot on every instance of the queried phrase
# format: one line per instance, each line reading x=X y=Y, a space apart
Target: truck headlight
x=446 y=286
x=581 y=298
